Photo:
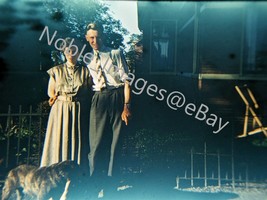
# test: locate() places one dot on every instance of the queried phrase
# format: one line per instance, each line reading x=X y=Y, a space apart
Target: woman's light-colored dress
x=66 y=128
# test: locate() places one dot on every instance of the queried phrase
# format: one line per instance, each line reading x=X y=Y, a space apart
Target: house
x=202 y=50
x=208 y=40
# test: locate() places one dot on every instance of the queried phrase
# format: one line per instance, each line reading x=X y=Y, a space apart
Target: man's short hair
x=95 y=26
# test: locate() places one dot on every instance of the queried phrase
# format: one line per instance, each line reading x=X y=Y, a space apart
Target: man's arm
x=126 y=114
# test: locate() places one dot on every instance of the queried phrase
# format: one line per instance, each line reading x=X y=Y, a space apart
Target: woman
x=67 y=129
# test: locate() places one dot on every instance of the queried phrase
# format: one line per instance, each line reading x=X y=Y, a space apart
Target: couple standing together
x=68 y=88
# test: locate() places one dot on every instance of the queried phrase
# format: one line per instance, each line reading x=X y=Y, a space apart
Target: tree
x=135 y=54
x=76 y=14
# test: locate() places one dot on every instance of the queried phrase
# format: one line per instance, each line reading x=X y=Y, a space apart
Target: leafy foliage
x=260 y=142
x=75 y=15
x=135 y=53
x=153 y=148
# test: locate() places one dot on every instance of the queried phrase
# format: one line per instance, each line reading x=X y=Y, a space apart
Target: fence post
x=247 y=176
x=192 y=168
x=219 y=168
x=40 y=133
x=19 y=134
x=205 y=164
x=8 y=128
x=29 y=136
x=233 y=167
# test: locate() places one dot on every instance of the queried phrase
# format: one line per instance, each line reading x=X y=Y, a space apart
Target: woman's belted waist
x=69 y=98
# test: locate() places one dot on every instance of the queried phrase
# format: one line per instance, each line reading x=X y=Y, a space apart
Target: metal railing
x=22 y=133
x=200 y=173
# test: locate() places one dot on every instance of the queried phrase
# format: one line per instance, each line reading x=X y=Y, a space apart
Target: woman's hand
x=52 y=100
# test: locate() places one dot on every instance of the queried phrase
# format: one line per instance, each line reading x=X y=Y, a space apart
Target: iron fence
x=219 y=174
x=22 y=132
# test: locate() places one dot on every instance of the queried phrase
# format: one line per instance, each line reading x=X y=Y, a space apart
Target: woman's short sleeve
x=51 y=72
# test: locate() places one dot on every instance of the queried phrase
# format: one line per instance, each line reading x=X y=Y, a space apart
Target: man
x=111 y=101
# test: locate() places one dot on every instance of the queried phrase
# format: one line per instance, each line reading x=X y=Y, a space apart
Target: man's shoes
x=124 y=187
x=101 y=194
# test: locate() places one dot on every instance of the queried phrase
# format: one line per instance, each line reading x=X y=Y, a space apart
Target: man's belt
x=109 y=89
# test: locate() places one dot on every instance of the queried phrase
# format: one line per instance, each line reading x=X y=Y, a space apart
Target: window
x=255 y=45
x=163 y=46
x=232 y=40
x=219 y=40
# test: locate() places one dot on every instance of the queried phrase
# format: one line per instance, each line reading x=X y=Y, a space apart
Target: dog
x=31 y=182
